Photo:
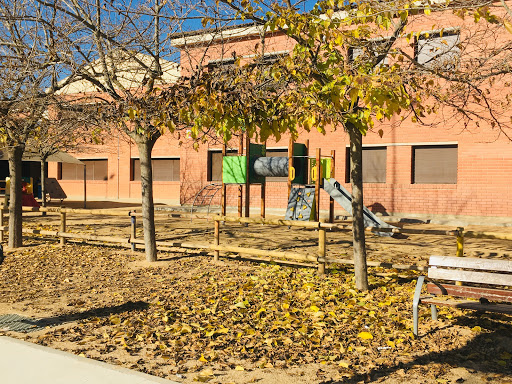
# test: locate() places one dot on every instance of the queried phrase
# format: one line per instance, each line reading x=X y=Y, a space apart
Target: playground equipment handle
x=292 y=173
x=313 y=174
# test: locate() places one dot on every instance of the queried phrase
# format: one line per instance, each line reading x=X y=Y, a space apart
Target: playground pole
x=240 y=153
x=223 y=197
x=317 y=184
x=290 y=164
x=262 y=207
x=331 y=200
x=247 y=181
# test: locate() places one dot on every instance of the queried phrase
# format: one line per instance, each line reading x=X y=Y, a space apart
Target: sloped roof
x=130 y=74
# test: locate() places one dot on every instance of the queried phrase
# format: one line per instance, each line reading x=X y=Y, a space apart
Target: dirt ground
x=189 y=319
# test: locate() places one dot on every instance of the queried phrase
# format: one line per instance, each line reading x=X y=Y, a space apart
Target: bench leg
x=415 y=303
x=433 y=309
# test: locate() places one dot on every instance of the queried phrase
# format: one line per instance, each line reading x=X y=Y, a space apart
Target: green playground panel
x=300 y=163
x=234 y=169
x=325 y=169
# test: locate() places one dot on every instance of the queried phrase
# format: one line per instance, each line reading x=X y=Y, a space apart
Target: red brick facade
x=484 y=158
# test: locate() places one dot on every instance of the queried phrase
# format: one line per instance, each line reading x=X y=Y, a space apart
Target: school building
x=445 y=168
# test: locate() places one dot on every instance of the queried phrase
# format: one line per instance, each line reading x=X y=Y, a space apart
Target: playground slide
x=344 y=198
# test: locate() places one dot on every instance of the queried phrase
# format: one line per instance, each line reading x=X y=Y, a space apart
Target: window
x=370 y=50
x=374 y=165
x=215 y=164
x=220 y=64
x=434 y=164
x=438 y=50
x=163 y=169
x=277 y=152
x=95 y=170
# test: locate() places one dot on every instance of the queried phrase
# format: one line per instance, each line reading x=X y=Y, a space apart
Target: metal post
x=216 y=239
x=133 y=236
x=331 y=200
x=321 y=250
x=1 y=224
x=62 y=227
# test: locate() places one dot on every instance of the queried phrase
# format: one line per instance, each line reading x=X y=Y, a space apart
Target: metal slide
x=344 y=198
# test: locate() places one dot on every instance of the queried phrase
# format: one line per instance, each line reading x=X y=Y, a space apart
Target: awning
x=61 y=157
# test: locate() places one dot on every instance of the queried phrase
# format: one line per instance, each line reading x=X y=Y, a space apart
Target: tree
x=350 y=68
x=31 y=57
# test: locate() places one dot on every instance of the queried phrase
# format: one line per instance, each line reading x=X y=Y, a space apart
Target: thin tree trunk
x=148 y=208
x=15 y=210
x=356 y=178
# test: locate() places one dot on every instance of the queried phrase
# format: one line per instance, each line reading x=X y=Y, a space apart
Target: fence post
x=133 y=235
x=216 y=238
x=460 y=241
x=62 y=227
x=321 y=249
x=2 y=224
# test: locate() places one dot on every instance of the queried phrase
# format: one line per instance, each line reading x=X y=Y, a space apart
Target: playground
x=189 y=318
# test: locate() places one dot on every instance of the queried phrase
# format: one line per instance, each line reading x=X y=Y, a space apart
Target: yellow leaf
x=343 y=364
x=202 y=359
x=427 y=11
x=477 y=329
x=239 y=368
x=314 y=308
x=390 y=343
x=508 y=25
x=365 y=335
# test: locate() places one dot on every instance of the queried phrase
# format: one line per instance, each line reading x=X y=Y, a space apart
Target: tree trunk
x=44 y=167
x=356 y=179
x=148 y=208
x=15 y=210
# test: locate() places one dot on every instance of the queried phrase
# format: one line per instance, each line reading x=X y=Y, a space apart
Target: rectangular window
x=374 y=165
x=215 y=163
x=95 y=170
x=436 y=50
x=434 y=164
x=220 y=64
x=163 y=169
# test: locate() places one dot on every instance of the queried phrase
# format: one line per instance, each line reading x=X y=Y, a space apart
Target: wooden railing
x=216 y=247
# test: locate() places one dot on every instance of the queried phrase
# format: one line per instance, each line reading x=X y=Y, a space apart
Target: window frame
x=347 y=164
x=437 y=34
x=81 y=177
x=433 y=146
x=133 y=160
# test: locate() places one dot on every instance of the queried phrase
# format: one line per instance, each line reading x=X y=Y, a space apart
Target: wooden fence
x=319 y=259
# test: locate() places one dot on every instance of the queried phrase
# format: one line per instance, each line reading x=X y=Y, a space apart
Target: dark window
x=220 y=64
x=279 y=152
x=374 y=165
x=163 y=169
x=95 y=170
x=434 y=164
x=369 y=50
x=215 y=164
x=438 y=50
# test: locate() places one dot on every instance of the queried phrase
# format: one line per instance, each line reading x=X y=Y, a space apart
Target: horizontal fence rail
x=319 y=259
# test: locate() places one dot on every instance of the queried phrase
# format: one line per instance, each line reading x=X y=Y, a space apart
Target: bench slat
x=470 y=292
x=470 y=276
x=466 y=304
x=471 y=263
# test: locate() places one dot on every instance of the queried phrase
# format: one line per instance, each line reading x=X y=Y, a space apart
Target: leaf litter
x=192 y=320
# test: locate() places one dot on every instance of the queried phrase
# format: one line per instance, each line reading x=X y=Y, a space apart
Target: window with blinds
x=95 y=170
x=434 y=164
x=163 y=169
x=436 y=50
x=215 y=163
x=374 y=165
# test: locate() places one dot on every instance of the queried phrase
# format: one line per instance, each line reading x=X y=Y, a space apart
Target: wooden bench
x=487 y=282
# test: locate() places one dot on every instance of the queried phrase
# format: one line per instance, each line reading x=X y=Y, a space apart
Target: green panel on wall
x=233 y=169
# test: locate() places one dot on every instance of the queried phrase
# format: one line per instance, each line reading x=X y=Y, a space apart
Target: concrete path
x=22 y=362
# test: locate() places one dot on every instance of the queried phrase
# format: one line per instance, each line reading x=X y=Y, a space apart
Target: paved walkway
x=22 y=362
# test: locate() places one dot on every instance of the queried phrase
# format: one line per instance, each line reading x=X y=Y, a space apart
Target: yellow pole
x=460 y=242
